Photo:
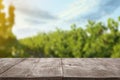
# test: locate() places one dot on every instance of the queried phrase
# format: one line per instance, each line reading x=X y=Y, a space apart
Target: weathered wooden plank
x=39 y=78
x=6 y=64
x=48 y=68
x=72 y=78
x=59 y=69
x=59 y=79
x=36 y=68
x=21 y=69
x=91 y=68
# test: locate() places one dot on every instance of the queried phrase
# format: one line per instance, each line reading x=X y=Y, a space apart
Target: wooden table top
x=59 y=69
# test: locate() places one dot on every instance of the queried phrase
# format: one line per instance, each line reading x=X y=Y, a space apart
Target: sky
x=35 y=16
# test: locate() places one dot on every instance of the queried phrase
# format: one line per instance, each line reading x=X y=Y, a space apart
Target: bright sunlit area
x=60 y=28
x=33 y=16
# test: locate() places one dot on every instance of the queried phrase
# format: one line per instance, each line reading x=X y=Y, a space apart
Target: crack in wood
x=63 y=69
x=12 y=66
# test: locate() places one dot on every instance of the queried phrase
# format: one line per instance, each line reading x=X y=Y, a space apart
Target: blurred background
x=58 y=28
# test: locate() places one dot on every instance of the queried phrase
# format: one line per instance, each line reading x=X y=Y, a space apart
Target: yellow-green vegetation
x=8 y=41
x=96 y=41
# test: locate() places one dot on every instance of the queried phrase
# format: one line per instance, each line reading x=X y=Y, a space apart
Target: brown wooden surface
x=59 y=69
x=6 y=64
x=31 y=68
x=91 y=68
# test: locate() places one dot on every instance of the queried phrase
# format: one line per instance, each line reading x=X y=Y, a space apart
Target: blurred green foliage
x=97 y=40
x=9 y=45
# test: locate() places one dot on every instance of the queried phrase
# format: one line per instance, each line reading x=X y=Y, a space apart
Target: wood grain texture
x=91 y=68
x=48 y=68
x=6 y=64
x=31 y=68
x=59 y=69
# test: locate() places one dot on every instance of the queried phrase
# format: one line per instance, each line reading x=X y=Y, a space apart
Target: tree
x=7 y=38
